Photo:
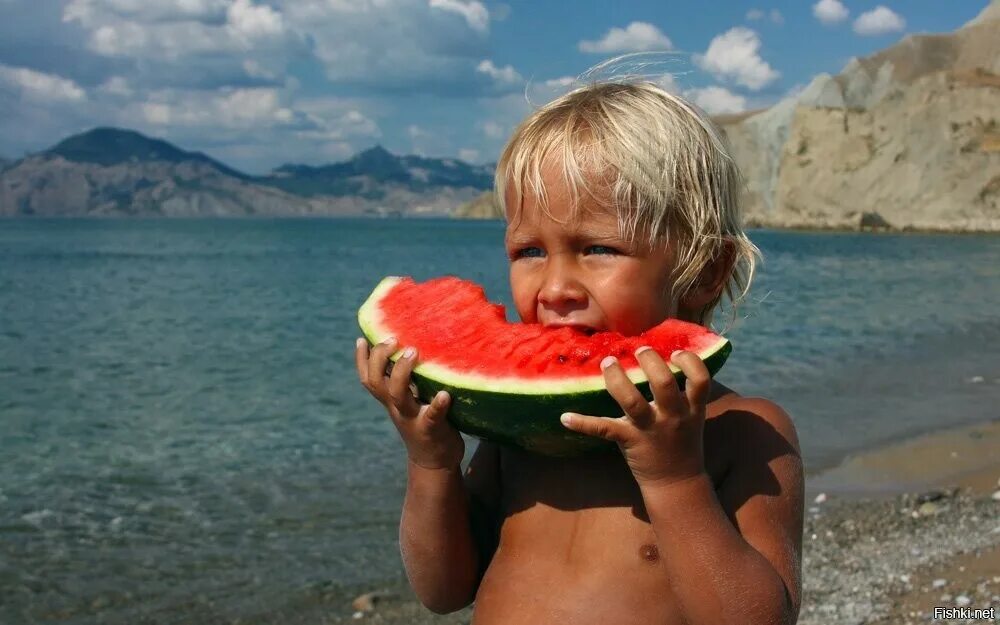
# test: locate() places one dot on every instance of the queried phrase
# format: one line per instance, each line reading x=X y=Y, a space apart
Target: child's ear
x=713 y=277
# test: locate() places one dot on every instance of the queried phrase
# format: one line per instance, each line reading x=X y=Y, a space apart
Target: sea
x=183 y=438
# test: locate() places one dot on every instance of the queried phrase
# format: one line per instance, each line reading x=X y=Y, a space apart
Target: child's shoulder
x=748 y=429
x=730 y=411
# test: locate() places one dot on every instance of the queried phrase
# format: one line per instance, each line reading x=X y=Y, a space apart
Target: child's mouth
x=587 y=330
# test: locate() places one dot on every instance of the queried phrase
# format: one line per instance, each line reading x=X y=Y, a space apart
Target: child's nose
x=561 y=287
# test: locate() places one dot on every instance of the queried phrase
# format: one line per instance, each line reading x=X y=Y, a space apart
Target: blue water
x=184 y=440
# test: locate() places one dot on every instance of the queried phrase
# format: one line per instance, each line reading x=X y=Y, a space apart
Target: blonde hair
x=658 y=161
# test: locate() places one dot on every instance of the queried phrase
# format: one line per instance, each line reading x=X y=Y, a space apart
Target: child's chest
x=573 y=531
x=596 y=481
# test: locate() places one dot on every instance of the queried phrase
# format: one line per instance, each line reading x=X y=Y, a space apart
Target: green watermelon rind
x=518 y=412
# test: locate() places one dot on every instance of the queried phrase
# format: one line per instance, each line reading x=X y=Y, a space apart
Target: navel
x=649 y=553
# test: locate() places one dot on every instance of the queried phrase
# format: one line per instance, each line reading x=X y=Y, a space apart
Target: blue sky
x=258 y=83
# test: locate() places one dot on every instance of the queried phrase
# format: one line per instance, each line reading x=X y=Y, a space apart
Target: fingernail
x=441 y=397
x=642 y=349
x=409 y=352
x=358 y=343
x=566 y=418
x=674 y=355
x=607 y=362
x=389 y=341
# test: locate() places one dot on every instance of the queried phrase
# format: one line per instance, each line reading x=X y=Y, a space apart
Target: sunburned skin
x=575 y=541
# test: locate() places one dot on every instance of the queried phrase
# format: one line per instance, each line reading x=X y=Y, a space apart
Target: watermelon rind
x=516 y=411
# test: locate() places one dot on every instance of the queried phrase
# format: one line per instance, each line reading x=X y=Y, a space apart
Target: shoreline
x=966 y=456
x=904 y=230
x=896 y=530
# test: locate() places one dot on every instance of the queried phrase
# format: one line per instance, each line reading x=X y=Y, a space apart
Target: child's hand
x=661 y=440
x=431 y=442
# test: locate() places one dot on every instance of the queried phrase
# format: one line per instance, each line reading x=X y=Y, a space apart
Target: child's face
x=581 y=272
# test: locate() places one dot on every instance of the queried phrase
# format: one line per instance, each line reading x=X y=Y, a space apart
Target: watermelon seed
x=561 y=358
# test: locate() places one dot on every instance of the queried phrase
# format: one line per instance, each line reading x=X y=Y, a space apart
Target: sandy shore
x=889 y=535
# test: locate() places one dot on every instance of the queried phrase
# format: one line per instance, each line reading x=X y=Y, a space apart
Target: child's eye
x=534 y=252
x=604 y=249
x=527 y=252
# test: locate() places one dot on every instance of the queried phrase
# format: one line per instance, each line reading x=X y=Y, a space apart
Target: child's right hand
x=431 y=442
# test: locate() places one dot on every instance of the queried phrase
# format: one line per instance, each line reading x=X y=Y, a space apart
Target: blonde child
x=622 y=208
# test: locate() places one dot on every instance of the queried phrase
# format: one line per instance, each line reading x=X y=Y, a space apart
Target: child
x=622 y=209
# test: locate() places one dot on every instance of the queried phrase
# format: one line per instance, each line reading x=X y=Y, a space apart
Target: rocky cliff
x=908 y=138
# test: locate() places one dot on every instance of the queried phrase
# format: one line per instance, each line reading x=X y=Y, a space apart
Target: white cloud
x=774 y=15
x=420 y=46
x=333 y=119
x=156 y=113
x=251 y=108
x=252 y=22
x=468 y=155
x=416 y=132
x=39 y=85
x=424 y=142
x=492 y=129
x=146 y=11
x=560 y=83
x=717 y=100
x=636 y=37
x=189 y=43
x=475 y=14
x=399 y=45
x=830 y=11
x=879 y=21
x=735 y=55
x=505 y=74
x=668 y=83
x=117 y=86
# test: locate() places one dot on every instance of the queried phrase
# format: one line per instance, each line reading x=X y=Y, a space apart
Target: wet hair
x=657 y=160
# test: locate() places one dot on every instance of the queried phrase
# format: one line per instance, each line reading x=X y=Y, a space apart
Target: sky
x=260 y=83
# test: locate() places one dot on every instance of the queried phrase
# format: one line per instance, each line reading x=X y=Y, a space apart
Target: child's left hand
x=662 y=439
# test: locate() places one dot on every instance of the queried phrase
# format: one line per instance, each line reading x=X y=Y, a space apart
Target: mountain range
x=907 y=138
x=113 y=171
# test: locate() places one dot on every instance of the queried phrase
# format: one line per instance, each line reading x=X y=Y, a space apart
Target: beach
x=889 y=535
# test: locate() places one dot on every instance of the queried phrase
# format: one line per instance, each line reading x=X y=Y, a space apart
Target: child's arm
x=731 y=558
x=447 y=531
x=441 y=552
x=735 y=557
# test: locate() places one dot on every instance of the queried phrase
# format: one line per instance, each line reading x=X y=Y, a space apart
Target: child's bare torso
x=576 y=545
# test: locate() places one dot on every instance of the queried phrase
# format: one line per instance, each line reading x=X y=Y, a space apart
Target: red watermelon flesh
x=510 y=382
x=452 y=323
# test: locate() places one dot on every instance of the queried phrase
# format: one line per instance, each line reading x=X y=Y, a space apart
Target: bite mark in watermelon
x=510 y=382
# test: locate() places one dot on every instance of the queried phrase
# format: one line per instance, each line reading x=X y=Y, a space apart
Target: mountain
x=370 y=173
x=113 y=146
x=907 y=138
x=484 y=206
x=116 y=172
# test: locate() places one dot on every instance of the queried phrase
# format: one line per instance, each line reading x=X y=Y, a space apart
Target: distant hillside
x=113 y=146
x=114 y=172
x=484 y=206
x=369 y=173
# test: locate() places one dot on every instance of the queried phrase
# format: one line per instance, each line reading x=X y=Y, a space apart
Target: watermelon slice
x=510 y=382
